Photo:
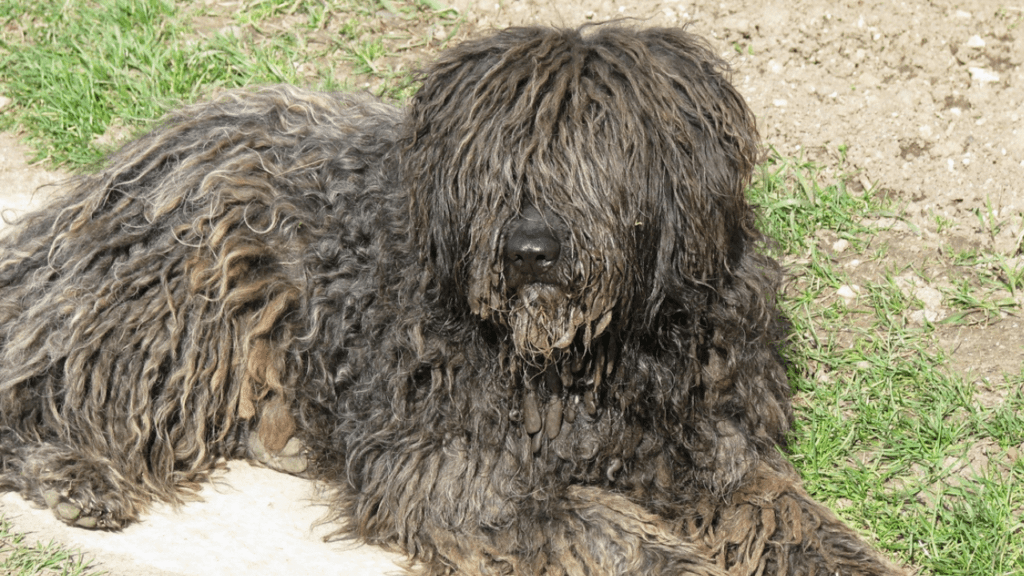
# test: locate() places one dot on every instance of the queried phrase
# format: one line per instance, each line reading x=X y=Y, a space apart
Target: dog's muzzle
x=532 y=249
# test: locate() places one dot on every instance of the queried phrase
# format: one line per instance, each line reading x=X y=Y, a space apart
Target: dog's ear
x=702 y=79
x=706 y=223
x=711 y=262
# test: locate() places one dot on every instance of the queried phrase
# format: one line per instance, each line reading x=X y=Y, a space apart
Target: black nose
x=531 y=247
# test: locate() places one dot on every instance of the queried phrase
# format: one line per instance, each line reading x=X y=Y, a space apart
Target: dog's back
x=147 y=316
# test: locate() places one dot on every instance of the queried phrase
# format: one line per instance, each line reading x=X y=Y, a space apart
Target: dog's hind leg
x=81 y=488
x=121 y=402
x=150 y=317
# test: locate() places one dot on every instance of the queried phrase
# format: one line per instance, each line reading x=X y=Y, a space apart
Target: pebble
x=868 y=80
x=920 y=316
x=983 y=75
x=848 y=292
x=739 y=25
x=231 y=31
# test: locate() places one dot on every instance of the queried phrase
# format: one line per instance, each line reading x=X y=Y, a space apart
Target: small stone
x=231 y=31
x=739 y=25
x=922 y=317
x=848 y=292
x=868 y=80
x=983 y=75
x=930 y=296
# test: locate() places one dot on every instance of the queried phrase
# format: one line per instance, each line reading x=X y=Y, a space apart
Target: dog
x=525 y=326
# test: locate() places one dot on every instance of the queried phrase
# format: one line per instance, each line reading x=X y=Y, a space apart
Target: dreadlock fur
x=523 y=327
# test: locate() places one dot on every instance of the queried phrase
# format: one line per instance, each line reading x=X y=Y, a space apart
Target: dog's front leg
x=471 y=511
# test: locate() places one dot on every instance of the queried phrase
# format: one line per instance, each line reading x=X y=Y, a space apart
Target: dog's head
x=563 y=181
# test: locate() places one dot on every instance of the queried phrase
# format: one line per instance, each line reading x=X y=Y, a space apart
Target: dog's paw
x=77 y=514
x=291 y=459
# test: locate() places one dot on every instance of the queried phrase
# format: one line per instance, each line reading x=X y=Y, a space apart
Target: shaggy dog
x=524 y=327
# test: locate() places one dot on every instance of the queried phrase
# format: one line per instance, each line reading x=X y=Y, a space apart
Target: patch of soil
x=23 y=186
x=922 y=101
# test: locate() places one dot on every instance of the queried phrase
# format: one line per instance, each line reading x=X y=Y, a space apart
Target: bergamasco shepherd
x=524 y=326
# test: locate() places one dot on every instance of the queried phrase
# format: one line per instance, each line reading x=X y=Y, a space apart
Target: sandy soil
x=922 y=101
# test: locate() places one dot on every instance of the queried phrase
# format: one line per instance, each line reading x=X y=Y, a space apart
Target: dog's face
x=564 y=183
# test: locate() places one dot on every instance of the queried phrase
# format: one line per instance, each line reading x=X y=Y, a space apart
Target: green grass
x=886 y=433
x=77 y=69
x=19 y=558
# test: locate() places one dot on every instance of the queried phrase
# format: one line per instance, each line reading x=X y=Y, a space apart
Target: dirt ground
x=921 y=101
